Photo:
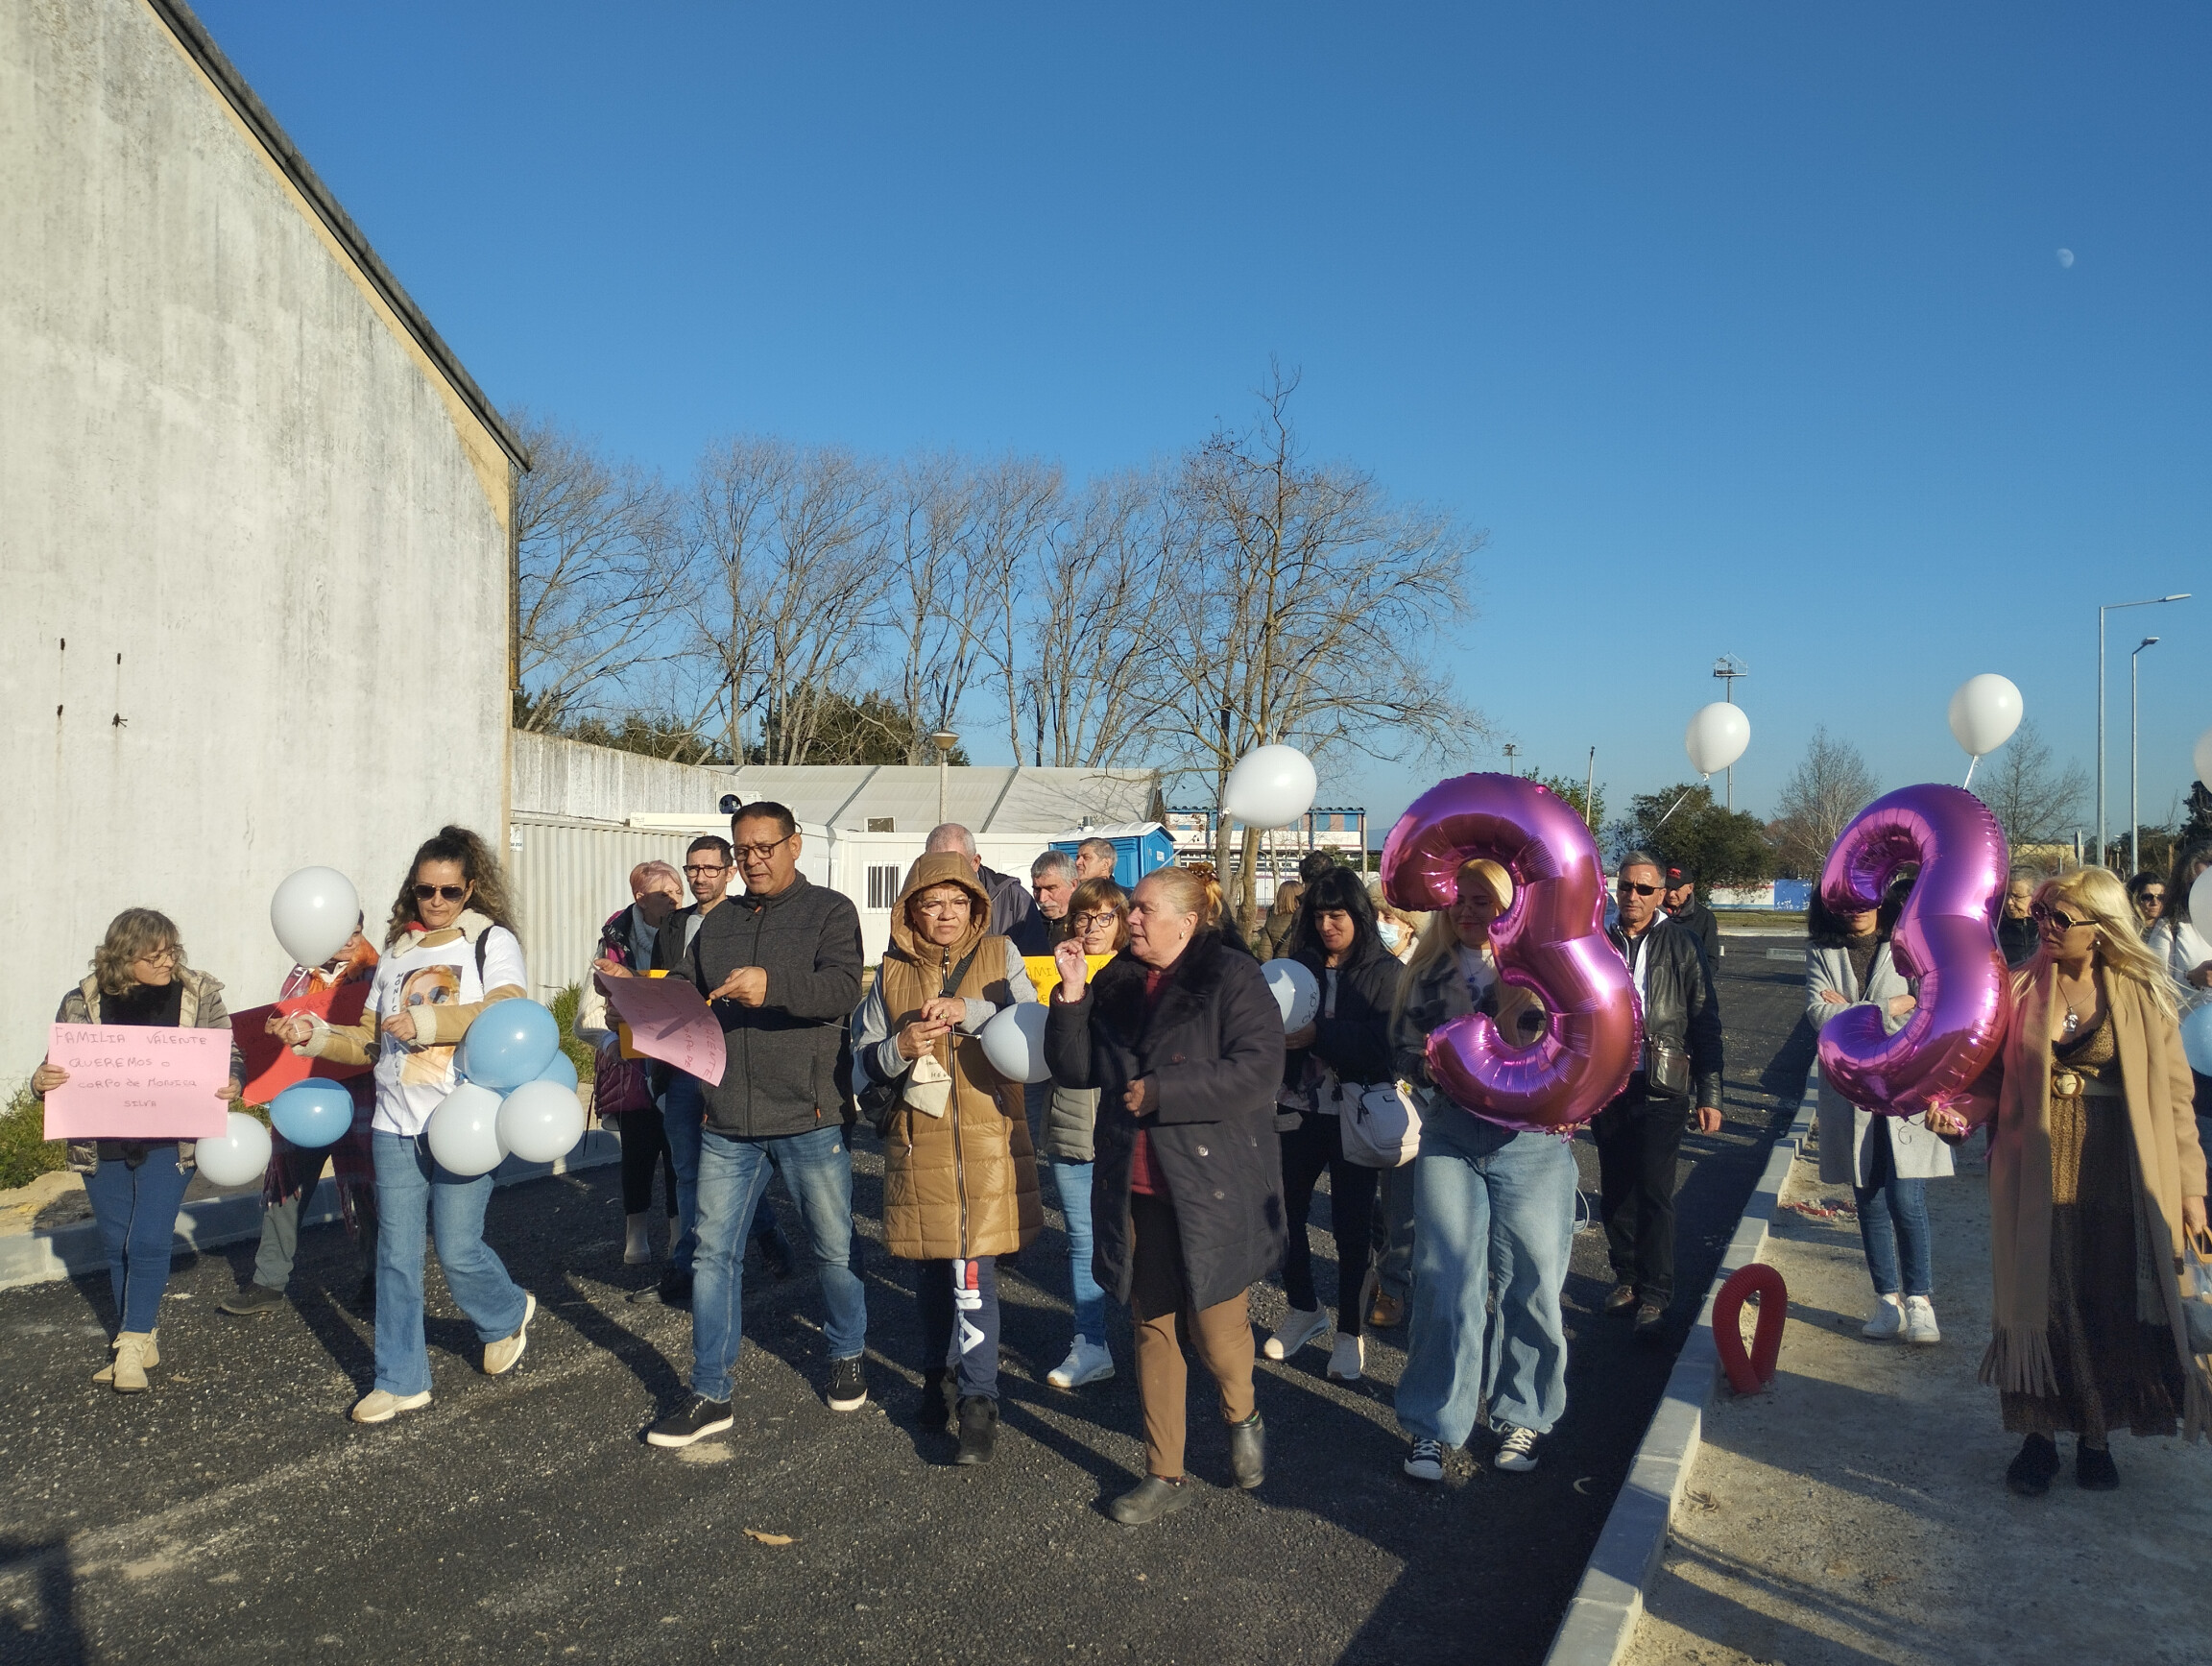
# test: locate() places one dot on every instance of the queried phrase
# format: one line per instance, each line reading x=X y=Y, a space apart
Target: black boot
x=935 y=1409
x=1148 y=1501
x=2094 y=1470
x=978 y=1429
x=2031 y=1471
x=1248 y=1451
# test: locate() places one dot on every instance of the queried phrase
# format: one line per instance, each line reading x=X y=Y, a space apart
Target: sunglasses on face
x=1628 y=887
x=451 y=893
x=2044 y=914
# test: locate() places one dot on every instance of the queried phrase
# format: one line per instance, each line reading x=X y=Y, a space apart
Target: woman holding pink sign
x=138 y=978
x=448 y=954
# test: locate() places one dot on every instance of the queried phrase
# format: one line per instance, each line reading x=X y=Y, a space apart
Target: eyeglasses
x=451 y=893
x=2044 y=914
x=696 y=868
x=761 y=853
x=160 y=958
x=1091 y=922
x=1628 y=887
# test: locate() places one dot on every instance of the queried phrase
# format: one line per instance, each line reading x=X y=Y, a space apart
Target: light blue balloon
x=2197 y=1039
x=560 y=1070
x=312 y=1113
x=509 y=1045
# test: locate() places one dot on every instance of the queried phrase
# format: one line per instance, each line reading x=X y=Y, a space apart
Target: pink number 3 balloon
x=1552 y=941
x=1945 y=937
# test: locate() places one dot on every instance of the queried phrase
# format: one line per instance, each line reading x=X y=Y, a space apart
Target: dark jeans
x=1638 y=1141
x=1893 y=1216
x=1316 y=1144
x=959 y=1306
x=644 y=1146
x=279 y=1245
x=136 y=1209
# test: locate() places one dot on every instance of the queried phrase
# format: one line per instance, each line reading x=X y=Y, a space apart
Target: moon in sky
x=2066 y=258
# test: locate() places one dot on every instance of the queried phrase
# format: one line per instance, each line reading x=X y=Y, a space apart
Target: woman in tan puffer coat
x=959 y=1176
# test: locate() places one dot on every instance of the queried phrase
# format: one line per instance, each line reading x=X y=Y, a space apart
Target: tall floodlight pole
x=944 y=741
x=2112 y=607
x=1589 y=789
x=2134 y=708
x=1728 y=668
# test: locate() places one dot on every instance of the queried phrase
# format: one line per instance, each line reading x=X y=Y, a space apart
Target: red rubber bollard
x=1749 y=1373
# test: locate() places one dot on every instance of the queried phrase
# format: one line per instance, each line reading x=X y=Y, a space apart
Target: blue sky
x=1743 y=329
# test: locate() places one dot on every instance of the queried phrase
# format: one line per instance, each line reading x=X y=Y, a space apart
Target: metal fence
x=566 y=876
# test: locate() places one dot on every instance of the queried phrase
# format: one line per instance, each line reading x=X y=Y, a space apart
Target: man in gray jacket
x=779 y=967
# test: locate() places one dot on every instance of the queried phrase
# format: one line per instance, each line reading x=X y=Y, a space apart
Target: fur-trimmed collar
x=1188 y=984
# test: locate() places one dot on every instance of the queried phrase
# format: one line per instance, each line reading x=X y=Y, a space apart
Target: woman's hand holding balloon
x=229 y=1093
x=401 y=1026
x=920 y=1037
x=292 y=1028
x=944 y=1010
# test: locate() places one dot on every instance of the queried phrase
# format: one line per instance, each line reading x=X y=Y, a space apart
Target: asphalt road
x=233 y=1515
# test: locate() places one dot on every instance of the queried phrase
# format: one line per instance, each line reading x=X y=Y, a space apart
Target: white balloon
x=1984 y=714
x=465 y=1130
x=2203 y=758
x=1270 y=786
x=540 y=1122
x=313 y=913
x=238 y=1154
x=1296 y=991
x=1014 y=1042
x=2201 y=902
x=1717 y=736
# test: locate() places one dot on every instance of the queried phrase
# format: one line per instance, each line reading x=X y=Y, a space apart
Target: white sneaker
x=1920 y=1322
x=1427 y=1462
x=1087 y=1362
x=1299 y=1327
x=1887 y=1319
x=500 y=1356
x=1517 y=1451
x=1347 y=1359
x=379 y=1407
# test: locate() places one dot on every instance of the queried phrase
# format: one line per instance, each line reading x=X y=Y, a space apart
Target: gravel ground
x=233 y=1515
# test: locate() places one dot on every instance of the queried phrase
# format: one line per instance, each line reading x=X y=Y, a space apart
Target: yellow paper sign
x=1045 y=971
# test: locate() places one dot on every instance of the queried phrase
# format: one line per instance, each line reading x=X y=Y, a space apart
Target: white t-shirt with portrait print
x=412 y=1081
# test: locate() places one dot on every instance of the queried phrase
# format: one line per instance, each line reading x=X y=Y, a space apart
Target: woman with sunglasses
x=138 y=978
x=449 y=951
x=2146 y=894
x=1098 y=919
x=1886 y=1161
x=2096 y=1179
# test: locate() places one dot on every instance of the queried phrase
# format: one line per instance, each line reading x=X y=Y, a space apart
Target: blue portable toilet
x=1140 y=848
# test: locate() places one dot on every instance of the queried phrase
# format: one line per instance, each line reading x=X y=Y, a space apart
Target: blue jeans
x=1493 y=1212
x=1073 y=1179
x=417 y=1200
x=1893 y=1213
x=682 y=1115
x=817 y=1170
x=136 y=1209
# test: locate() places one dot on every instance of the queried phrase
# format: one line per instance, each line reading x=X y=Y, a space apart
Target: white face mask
x=1390 y=934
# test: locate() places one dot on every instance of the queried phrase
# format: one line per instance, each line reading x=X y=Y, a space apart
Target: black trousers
x=1638 y=1141
x=643 y=1145
x=1314 y=1145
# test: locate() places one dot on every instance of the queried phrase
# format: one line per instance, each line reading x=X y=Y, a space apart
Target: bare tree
x=1830 y=784
x=2034 y=801
x=594 y=571
x=1304 y=606
x=1018 y=503
x=729 y=554
x=928 y=615
x=1092 y=632
x=815 y=606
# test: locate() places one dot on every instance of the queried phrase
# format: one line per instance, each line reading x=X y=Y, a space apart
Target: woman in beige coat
x=959 y=1176
x=2096 y=1177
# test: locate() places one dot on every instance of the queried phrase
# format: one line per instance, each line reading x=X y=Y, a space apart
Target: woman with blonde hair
x=449 y=951
x=1493 y=1212
x=138 y=978
x=2096 y=1179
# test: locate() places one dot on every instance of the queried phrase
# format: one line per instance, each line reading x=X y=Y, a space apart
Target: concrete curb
x=1601 y=1621
x=75 y=1250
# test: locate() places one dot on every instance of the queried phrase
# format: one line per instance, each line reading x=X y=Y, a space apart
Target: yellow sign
x=1045 y=971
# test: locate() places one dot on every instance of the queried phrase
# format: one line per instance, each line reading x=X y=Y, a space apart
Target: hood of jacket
x=941 y=868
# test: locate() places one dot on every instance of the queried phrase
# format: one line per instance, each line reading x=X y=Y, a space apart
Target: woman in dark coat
x=1184 y=1042
x=1333 y=1059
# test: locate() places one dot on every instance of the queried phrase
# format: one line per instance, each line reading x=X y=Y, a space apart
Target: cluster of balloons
x=517 y=1095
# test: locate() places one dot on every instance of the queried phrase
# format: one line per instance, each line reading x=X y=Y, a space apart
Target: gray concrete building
x=255 y=519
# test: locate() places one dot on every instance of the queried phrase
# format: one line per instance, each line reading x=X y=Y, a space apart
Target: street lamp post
x=2113 y=607
x=2134 y=705
x=1728 y=668
x=944 y=740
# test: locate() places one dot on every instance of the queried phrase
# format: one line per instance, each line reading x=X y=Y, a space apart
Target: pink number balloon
x=1945 y=937
x=1553 y=941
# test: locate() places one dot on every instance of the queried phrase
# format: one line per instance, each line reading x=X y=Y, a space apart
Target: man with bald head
x=1011 y=904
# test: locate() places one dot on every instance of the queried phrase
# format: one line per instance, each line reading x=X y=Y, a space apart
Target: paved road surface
x=234 y=1515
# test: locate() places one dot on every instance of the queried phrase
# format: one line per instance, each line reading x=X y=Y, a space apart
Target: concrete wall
x=568 y=778
x=253 y=548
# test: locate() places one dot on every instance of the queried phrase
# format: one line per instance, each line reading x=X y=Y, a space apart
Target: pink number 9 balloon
x=1552 y=941
x=1945 y=937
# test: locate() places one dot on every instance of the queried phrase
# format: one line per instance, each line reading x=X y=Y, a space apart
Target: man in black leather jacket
x=1685 y=909
x=1639 y=1135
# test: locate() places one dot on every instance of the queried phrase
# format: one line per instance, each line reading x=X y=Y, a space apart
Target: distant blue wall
x=1134 y=854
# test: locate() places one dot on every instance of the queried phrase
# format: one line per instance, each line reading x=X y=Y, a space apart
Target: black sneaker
x=2033 y=1466
x=253 y=1301
x=978 y=1429
x=2094 y=1470
x=697 y=1420
x=673 y=1291
x=848 y=1387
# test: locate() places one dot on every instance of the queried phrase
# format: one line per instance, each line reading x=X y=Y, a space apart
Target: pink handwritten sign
x=137 y=1082
x=670 y=1021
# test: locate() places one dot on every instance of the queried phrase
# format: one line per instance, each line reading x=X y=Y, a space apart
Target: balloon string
x=1971 y=761
x=1671 y=809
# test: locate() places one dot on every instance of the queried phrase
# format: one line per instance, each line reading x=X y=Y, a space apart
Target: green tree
x=658 y=735
x=1681 y=825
